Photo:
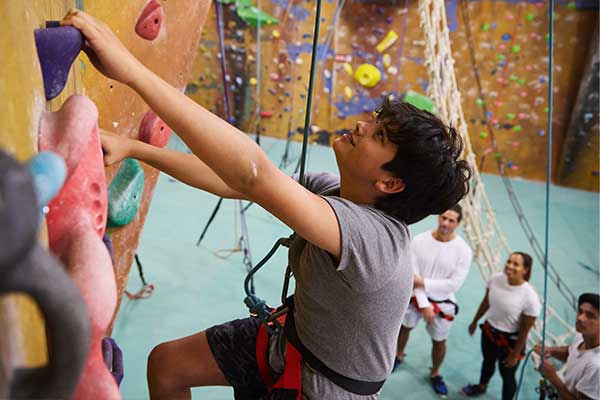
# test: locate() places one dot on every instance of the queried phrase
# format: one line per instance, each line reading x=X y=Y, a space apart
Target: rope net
x=480 y=225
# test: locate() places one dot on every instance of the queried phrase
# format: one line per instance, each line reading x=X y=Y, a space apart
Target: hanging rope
x=258 y=75
x=147 y=289
x=256 y=305
x=548 y=177
x=244 y=241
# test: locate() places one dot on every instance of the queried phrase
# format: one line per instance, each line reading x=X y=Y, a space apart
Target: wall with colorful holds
x=381 y=43
x=165 y=36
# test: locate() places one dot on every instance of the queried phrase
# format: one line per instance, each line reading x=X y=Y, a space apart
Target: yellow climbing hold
x=387 y=60
x=348 y=92
x=253 y=81
x=275 y=34
x=387 y=41
x=348 y=68
x=367 y=75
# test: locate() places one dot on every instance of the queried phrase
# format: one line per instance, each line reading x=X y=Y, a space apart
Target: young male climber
x=581 y=377
x=350 y=256
x=441 y=263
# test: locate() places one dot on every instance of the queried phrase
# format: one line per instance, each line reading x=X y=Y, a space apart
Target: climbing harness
x=500 y=338
x=435 y=304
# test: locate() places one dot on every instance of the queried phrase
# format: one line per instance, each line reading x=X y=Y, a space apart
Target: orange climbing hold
x=149 y=23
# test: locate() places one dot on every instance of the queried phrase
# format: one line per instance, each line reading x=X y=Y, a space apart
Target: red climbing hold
x=266 y=114
x=149 y=23
x=154 y=131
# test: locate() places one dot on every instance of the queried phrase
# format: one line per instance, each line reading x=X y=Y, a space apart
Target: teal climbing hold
x=420 y=101
x=125 y=193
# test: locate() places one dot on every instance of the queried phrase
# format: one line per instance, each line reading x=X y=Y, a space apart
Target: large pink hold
x=90 y=266
x=76 y=223
x=72 y=133
x=153 y=130
x=149 y=23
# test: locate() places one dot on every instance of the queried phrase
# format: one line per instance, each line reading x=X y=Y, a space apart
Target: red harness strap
x=436 y=309
x=499 y=338
x=289 y=384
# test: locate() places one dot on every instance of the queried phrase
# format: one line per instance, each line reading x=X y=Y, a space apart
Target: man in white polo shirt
x=441 y=261
x=581 y=378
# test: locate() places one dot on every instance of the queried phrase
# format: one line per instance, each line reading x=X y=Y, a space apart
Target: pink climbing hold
x=72 y=133
x=76 y=223
x=149 y=23
x=90 y=266
x=64 y=131
x=153 y=130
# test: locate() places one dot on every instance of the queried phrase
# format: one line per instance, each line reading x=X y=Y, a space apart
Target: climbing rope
x=548 y=177
x=244 y=241
x=147 y=289
x=544 y=388
x=256 y=305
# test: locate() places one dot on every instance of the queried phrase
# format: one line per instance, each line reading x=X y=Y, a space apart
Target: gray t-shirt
x=348 y=315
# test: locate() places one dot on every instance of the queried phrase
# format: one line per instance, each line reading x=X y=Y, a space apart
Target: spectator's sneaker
x=397 y=363
x=473 y=390
x=438 y=385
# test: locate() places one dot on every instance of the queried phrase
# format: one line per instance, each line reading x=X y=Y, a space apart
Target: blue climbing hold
x=49 y=172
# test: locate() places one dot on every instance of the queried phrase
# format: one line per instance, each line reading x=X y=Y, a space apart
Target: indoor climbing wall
x=281 y=80
x=368 y=49
x=507 y=110
x=164 y=36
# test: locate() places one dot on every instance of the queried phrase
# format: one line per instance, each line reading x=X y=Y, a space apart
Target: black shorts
x=233 y=344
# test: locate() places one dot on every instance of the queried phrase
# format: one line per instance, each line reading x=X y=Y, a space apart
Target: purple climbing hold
x=57 y=48
x=113 y=358
x=109 y=247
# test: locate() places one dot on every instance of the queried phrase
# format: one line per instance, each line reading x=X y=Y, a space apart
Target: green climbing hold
x=485 y=27
x=510 y=116
x=521 y=81
x=547 y=36
x=500 y=57
x=497 y=155
x=125 y=193
x=516 y=48
x=420 y=101
x=479 y=102
x=252 y=15
x=571 y=5
x=483 y=135
x=517 y=128
x=513 y=77
x=546 y=109
x=530 y=17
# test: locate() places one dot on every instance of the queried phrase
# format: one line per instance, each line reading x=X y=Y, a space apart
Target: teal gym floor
x=197 y=287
